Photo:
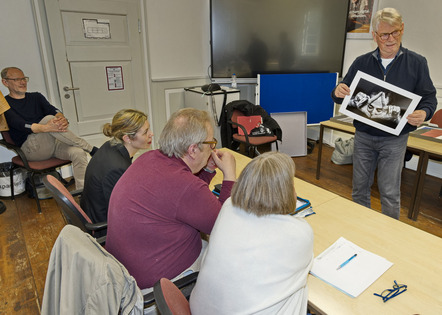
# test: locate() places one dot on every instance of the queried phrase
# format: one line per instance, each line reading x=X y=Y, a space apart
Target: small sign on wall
x=115 y=78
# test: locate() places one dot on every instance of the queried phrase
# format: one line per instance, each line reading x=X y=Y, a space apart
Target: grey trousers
x=387 y=155
x=62 y=145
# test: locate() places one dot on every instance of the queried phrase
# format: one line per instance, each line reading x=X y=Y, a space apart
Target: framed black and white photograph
x=378 y=103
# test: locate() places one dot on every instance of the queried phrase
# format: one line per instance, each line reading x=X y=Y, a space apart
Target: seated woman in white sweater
x=259 y=256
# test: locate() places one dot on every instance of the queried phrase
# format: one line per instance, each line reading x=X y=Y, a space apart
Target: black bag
x=261 y=131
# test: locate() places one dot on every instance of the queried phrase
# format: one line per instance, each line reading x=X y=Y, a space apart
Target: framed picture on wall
x=379 y=104
x=359 y=18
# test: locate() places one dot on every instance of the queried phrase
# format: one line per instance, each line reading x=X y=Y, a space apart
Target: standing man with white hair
x=375 y=148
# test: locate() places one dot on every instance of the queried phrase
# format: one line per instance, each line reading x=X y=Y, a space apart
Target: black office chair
x=230 y=138
x=73 y=253
x=252 y=143
x=170 y=299
x=71 y=210
x=34 y=168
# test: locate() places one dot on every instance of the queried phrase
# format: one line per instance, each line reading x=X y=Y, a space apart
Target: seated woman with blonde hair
x=259 y=256
x=130 y=132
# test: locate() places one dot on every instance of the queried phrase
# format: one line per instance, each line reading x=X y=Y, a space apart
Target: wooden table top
x=429 y=146
x=416 y=255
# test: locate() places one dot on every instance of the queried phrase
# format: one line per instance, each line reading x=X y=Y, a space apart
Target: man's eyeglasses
x=212 y=143
x=18 y=79
x=385 y=36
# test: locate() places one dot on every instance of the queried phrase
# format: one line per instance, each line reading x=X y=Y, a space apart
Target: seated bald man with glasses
x=162 y=202
x=40 y=129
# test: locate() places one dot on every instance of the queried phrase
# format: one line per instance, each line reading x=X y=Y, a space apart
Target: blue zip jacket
x=408 y=71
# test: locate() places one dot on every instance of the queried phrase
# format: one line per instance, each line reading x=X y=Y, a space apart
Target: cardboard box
x=4 y=106
x=3 y=123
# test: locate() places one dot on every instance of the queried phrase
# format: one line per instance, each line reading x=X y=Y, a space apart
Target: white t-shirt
x=386 y=62
x=254 y=265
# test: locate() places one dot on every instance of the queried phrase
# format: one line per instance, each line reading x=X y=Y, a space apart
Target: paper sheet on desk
x=357 y=275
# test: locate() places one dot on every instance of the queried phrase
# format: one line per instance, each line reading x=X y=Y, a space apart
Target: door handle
x=67 y=88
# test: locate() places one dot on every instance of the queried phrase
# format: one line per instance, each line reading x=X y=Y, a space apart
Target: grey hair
x=266 y=185
x=185 y=127
x=390 y=16
x=4 y=72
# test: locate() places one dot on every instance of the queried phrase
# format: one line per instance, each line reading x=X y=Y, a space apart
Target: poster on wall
x=115 y=78
x=379 y=104
x=359 y=18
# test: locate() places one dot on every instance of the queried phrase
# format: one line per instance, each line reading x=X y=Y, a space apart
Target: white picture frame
x=379 y=104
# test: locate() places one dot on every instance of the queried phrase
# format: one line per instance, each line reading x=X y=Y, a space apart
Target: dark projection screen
x=250 y=37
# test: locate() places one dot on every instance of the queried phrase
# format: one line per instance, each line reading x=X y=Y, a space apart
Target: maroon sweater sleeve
x=226 y=187
x=225 y=190
x=199 y=207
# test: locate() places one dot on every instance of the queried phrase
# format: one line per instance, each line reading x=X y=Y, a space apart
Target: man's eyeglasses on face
x=385 y=36
x=18 y=79
x=212 y=143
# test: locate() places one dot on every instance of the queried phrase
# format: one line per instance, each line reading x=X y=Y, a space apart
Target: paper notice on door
x=96 y=28
x=115 y=78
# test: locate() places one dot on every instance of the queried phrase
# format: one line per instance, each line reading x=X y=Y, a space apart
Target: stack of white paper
x=356 y=275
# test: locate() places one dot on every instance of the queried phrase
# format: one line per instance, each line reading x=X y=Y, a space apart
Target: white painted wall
x=178 y=48
x=20 y=48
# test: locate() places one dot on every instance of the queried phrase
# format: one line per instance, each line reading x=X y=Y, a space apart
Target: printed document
x=348 y=267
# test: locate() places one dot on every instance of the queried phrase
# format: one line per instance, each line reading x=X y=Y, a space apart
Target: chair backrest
x=169 y=299
x=70 y=208
x=437 y=118
x=235 y=115
x=77 y=266
x=7 y=137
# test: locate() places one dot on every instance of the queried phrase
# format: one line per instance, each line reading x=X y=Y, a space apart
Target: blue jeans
x=387 y=154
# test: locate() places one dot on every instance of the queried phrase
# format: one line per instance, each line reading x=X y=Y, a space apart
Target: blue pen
x=346 y=262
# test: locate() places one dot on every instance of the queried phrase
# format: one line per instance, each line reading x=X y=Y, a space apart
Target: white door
x=97 y=52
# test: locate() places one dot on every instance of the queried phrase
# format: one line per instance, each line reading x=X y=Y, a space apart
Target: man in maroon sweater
x=162 y=202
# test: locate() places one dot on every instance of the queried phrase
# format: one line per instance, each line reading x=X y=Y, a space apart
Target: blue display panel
x=309 y=92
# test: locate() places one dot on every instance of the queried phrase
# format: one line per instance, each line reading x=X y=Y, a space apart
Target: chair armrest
x=149 y=298
x=17 y=150
x=96 y=226
x=101 y=240
x=76 y=192
x=185 y=281
x=242 y=128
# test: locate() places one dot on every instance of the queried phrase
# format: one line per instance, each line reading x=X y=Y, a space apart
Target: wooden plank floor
x=26 y=237
x=26 y=240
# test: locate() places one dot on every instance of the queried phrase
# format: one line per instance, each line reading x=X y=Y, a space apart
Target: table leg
x=415 y=184
x=318 y=165
x=420 y=186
